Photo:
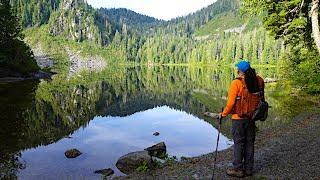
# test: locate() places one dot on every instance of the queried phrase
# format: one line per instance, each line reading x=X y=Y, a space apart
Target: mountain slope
x=128 y=17
x=78 y=21
x=35 y=12
x=215 y=34
x=192 y=22
x=75 y=20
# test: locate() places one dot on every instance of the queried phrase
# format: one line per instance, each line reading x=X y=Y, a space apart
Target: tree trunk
x=315 y=22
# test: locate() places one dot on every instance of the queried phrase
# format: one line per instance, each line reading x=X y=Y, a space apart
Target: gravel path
x=287 y=152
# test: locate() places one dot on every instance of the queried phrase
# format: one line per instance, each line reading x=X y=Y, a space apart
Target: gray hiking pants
x=244 y=132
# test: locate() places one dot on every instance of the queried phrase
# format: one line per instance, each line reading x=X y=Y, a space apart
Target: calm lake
x=109 y=114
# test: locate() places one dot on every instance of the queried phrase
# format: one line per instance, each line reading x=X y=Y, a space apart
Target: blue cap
x=243 y=66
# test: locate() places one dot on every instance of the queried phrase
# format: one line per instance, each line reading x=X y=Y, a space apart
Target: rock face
x=42 y=59
x=75 y=20
x=159 y=150
x=72 y=153
x=130 y=162
x=79 y=64
x=106 y=172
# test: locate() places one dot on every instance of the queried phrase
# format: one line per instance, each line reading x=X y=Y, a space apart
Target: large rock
x=159 y=150
x=130 y=162
x=42 y=75
x=72 y=153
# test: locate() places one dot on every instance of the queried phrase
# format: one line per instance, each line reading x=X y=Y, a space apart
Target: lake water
x=113 y=113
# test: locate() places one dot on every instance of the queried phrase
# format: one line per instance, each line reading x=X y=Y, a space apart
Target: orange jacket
x=235 y=90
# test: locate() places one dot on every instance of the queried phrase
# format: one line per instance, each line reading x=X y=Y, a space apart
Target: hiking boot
x=235 y=173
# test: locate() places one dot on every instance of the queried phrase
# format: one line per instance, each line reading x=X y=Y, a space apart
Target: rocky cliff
x=75 y=20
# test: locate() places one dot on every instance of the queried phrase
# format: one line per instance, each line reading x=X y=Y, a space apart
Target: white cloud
x=161 y=9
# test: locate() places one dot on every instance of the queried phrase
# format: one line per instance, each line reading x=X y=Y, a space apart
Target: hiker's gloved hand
x=220 y=116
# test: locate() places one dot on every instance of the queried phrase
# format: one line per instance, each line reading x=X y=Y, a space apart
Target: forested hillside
x=216 y=34
x=295 y=22
x=16 y=58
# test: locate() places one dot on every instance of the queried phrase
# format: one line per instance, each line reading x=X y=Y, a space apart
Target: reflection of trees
x=15 y=98
x=10 y=164
x=60 y=107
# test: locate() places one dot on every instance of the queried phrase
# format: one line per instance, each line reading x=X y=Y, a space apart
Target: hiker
x=244 y=87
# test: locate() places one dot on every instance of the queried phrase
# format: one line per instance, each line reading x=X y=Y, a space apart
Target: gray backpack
x=261 y=112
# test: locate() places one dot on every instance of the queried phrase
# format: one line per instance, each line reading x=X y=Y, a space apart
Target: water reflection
x=37 y=117
x=105 y=139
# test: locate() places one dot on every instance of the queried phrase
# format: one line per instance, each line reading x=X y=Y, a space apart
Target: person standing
x=242 y=101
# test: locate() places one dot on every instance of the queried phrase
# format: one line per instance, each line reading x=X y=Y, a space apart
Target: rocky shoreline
x=43 y=61
x=77 y=65
x=290 y=151
x=9 y=76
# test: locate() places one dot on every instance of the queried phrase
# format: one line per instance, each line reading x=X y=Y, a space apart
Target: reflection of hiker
x=241 y=103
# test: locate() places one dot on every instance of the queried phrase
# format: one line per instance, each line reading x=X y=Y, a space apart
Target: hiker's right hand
x=220 y=116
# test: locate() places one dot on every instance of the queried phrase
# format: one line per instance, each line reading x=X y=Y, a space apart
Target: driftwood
x=212 y=115
x=314 y=13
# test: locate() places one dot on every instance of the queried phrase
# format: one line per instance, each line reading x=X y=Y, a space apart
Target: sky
x=160 y=9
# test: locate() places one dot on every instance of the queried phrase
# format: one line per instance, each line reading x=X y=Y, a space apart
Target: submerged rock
x=106 y=172
x=130 y=162
x=156 y=134
x=72 y=153
x=42 y=75
x=159 y=150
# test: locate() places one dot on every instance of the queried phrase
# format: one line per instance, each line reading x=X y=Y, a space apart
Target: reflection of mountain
x=62 y=107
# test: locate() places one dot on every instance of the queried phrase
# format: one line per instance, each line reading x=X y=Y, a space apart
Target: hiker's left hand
x=220 y=116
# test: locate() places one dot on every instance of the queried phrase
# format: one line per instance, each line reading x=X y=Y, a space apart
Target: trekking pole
x=216 y=154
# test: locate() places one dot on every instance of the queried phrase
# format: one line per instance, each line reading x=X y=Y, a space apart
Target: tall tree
x=14 y=53
x=315 y=22
x=10 y=27
x=289 y=19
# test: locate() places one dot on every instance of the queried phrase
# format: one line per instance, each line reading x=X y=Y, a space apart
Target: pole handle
x=220 y=118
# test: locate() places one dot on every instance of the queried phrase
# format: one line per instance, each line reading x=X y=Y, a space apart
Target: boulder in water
x=159 y=150
x=156 y=134
x=72 y=153
x=130 y=162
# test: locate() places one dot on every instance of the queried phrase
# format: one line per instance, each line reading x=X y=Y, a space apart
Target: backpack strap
x=242 y=82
